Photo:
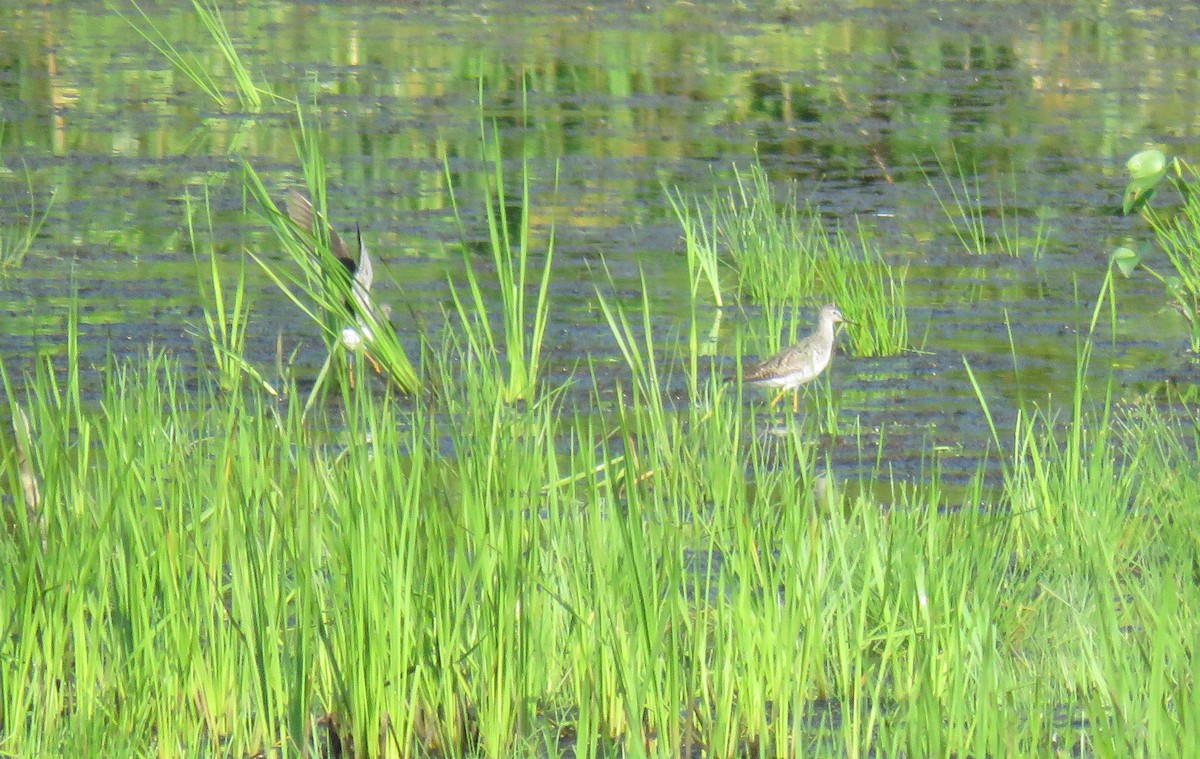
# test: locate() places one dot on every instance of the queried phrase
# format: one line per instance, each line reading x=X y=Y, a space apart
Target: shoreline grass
x=477 y=577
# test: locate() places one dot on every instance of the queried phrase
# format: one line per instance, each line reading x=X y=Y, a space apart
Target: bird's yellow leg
x=796 y=401
x=777 y=397
x=374 y=363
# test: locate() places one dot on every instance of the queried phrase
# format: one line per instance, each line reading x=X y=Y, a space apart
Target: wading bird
x=355 y=276
x=803 y=362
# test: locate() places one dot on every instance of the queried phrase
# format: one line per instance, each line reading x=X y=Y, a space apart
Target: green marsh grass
x=785 y=254
x=196 y=70
x=700 y=244
x=770 y=240
x=16 y=239
x=217 y=573
x=871 y=292
x=226 y=314
x=964 y=208
x=476 y=577
x=516 y=353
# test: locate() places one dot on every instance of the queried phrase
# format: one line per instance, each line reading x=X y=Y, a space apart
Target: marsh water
x=854 y=102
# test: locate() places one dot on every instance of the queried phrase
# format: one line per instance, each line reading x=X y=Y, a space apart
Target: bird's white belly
x=355 y=338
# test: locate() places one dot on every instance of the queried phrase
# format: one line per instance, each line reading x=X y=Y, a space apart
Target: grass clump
x=700 y=244
x=771 y=241
x=872 y=294
x=516 y=352
x=971 y=220
x=226 y=314
x=16 y=239
x=784 y=254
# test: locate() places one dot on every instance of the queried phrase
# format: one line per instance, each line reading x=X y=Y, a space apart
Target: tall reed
x=516 y=352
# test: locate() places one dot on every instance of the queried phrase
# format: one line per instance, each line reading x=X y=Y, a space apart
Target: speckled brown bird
x=800 y=363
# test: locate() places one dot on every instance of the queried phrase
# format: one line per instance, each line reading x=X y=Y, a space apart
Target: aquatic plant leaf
x=1136 y=197
x=1146 y=170
x=1126 y=260
x=1147 y=164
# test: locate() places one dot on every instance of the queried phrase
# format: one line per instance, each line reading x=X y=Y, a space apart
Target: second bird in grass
x=360 y=274
x=800 y=363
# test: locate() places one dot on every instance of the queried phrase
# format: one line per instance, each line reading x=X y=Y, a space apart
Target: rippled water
x=854 y=102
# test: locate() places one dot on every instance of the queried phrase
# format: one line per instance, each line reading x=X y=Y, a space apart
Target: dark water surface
x=851 y=101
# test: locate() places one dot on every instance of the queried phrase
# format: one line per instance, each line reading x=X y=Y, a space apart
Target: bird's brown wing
x=785 y=361
x=301 y=211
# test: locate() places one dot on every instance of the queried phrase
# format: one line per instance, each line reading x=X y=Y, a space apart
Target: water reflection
x=854 y=102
